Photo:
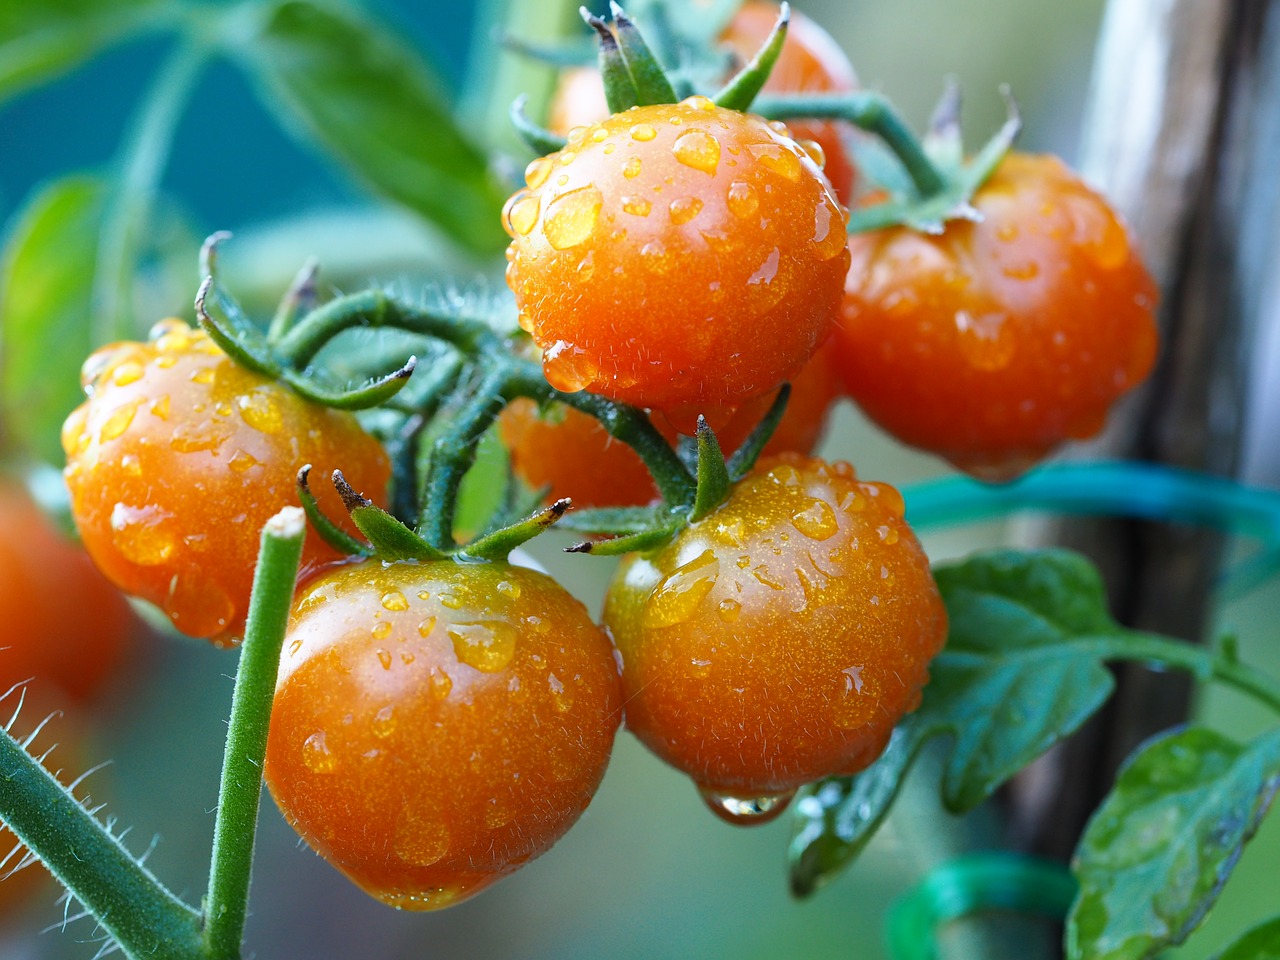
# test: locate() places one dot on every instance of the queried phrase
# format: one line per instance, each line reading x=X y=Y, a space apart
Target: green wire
x=973 y=883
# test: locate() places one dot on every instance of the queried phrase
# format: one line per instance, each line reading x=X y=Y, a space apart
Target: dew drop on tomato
x=745 y=811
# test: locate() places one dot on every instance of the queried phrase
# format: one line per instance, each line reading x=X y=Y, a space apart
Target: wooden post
x=1183 y=135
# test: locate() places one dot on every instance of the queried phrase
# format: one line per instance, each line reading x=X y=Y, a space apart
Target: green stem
x=241 y=789
x=871 y=112
x=143 y=160
x=376 y=308
x=125 y=898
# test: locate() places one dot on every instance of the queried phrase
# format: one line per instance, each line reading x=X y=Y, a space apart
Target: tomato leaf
x=366 y=97
x=40 y=39
x=46 y=294
x=1260 y=943
x=1156 y=854
x=1022 y=669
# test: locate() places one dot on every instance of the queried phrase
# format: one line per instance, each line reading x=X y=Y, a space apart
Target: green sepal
x=328 y=531
x=741 y=91
x=647 y=76
x=223 y=321
x=299 y=299
x=630 y=543
x=498 y=544
x=617 y=521
x=390 y=538
x=745 y=457
x=541 y=140
x=619 y=89
x=713 y=474
x=943 y=143
x=372 y=394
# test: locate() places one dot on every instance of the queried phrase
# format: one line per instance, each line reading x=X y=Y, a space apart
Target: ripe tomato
x=810 y=62
x=572 y=455
x=779 y=639
x=676 y=254
x=437 y=725
x=994 y=342
x=178 y=458
x=64 y=624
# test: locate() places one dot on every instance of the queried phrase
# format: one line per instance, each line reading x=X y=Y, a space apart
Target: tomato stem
x=138 y=911
x=241 y=787
x=871 y=112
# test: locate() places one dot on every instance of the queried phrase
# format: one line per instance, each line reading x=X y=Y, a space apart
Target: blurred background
x=648 y=873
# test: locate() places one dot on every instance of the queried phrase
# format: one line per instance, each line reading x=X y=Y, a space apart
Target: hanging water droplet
x=745 y=811
x=126 y=373
x=829 y=235
x=813 y=149
x=567 y=367
x=572 y=217
x=699 y=150
x=679 y=595
x=521 y=214
x=699 y=102
x=117 y=423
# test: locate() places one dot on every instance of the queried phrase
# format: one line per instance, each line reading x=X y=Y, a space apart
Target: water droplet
x=654 y=256
x=536 y=173
x=140 y=534
x=829 y=235
x=985 y=340
x=521 y=214
x=486 y=645
x=117 y=423
x=131 y=465
x=170 y=326
x=768 y=284
x=698 y=150
x=421 y=842
x=815 y=152
x=450 y=602
x=699 y=669
x=699 y=102
x=784 y=475
x=631 y=169
x=745 y=811
x=599 y=135
x=384 y=658
x=199 y=437
x=567 y=367
x=731 y=532
x=567 y=157
x=853 y=682
x=260 y=411
x=294 y=647
x=316 y=754
x=538 y=625
x=643 y=132
x=509 y=589
x=1007 y=232
x=729 y=610
x=394 y=600
x=384 y=722
x=242 y=462
x=684 y=209
x=888 y=534
x=126 y=373
x=678 y=596
x=636 y=206
x=1021 y=271
x=742 y=199
x=561 y=696
x=572 y=217
x=886 y=496
x=441 y=684
x=762 y=574
x=816 y=520
x=426 y=626
x=160 y=407
x=381 y=630
x=609 y=148
x=586 y=267
x=775 y=157
x=203 y=375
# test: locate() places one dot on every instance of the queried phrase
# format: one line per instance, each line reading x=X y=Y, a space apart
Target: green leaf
x=1156 y=854
x=1260 y=943
x=46 y=292
x=366 y=97
x=1022 y=669
x=40 y=39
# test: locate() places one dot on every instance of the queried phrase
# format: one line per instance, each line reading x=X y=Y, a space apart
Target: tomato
x=64 y=624
x=572 y=455
x=810 y=62
x=779 y=639
x=676 y=254
x=437 y=725
x=179 y=457
x=994 y=342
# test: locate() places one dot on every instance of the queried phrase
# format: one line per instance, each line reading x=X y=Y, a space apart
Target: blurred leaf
x=40 y=39
x=483 y=487
x=46 y=290
x=1260 y=943
x=370 y=100
x=1022 y=669
x=1156 y=854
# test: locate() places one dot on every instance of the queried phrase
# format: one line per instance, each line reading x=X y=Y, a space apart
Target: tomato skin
x=994 y=342
x=179 y=457
x=676 y=254
x=64 y=624
x=779 y=639
x=572 y=455
x=810 y=62
x=438 y=725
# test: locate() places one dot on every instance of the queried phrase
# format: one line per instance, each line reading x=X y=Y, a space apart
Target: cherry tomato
x=994 y=342
x=438 y=725
x=179 y=457
x=779 y=639
x=573 y=456
x=64 y=624
x=676 y=254
x=810 y=62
